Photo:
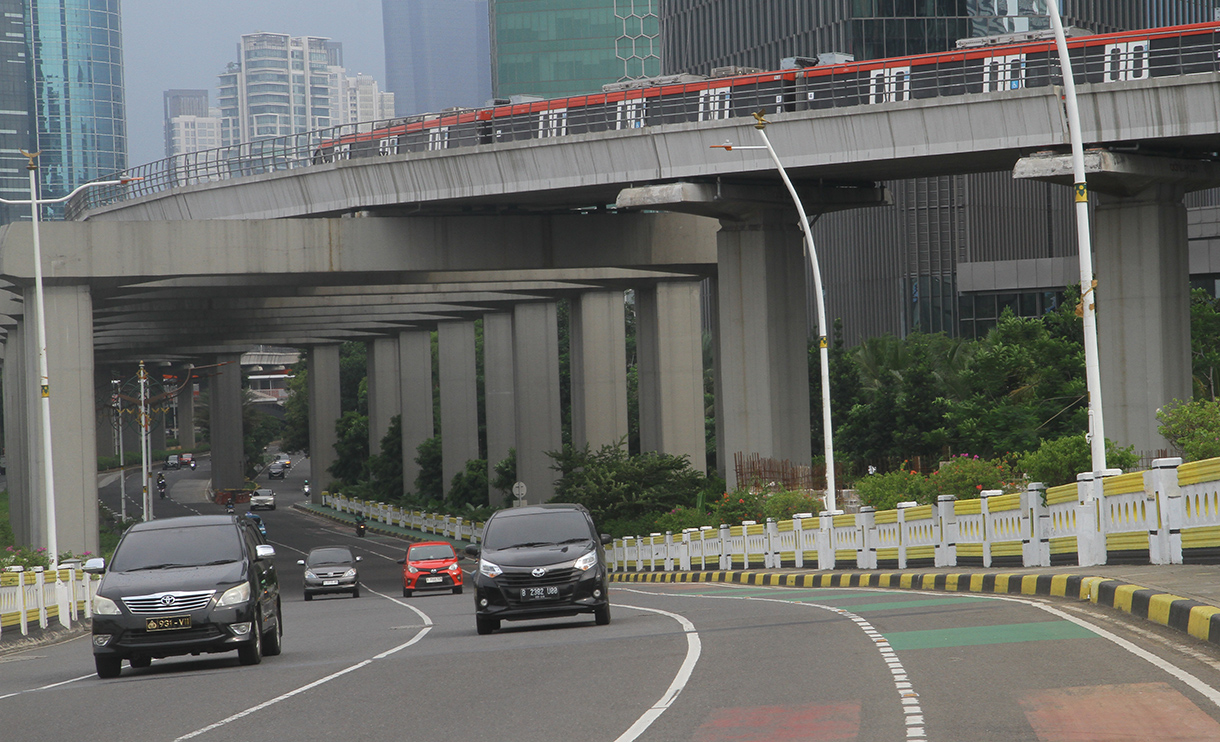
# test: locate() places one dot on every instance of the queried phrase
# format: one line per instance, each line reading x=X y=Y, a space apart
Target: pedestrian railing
x=1169 y=514
x=37 y=597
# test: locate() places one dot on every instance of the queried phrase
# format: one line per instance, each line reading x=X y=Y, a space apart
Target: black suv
x=192 y=585
x=540 y=562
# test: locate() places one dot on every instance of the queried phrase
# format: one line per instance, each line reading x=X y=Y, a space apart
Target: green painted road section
x=898 y=605
x=972 y=636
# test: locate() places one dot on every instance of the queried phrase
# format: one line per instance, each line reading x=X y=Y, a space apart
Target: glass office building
x=557 y=48
x=77 y=54
x=14 y=110
x=437 y=54
x=921 y=264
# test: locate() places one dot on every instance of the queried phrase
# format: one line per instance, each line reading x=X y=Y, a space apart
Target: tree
x=1057 y=461
x=1205 y=343
x=615 y=485
x=351 y=448
x=506 y=474
x=1192 y=427
x=296 y=411
x=385 y=469
x=430 y=482
x=353 y=370
x=469 y=486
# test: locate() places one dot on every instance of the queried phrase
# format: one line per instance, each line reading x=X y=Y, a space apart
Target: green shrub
x=885 y=491
x=1192 y=427
x=430 y=482
x=784 y=505
x=681 y=518
x=469 y=486
x=1058 y=461
x=734 y=507
x=616 y=486
x=965 y=476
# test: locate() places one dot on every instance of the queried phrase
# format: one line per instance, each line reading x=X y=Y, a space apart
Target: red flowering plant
x=739 y=505
x=967 y=475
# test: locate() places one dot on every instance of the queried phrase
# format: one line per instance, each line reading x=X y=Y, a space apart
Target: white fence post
x=866 y=538
x=684 y=550
x=40 y=583
x=901 y=516
x=946 y=515
x=826 y=545
x=1036 y=550
x=771 y=558
x=669 y=551
x=1162 y=482
x=1090 y=541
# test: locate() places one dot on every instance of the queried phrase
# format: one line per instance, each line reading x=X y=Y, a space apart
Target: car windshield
x=167 y=548
x=430 y=551
x=537 y=529
x=328 y=556
x=262 y=493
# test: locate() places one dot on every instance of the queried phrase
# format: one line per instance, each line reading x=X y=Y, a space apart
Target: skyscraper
x=437 y=54
x=188 y=125
x=15 y=116
x=557 y=48
x=78 y=91
x=361 y=99
x=279 y=85
x=899 y=269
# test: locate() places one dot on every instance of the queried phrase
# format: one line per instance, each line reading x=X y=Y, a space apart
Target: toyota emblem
x=539 y=571
x=167 y=600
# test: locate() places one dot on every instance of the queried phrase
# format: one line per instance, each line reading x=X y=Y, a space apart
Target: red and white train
x=993 y=67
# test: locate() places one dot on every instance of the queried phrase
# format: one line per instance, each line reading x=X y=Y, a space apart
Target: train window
x=388 y=146
x=553 y=123
x=889 y=84
x=714 y=104
x=1126 y=61
x=438 y=138
x=342 y=151
x=1006 y=72
x=630 y=114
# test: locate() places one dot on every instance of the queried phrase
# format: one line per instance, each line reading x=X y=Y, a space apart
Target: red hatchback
x=431 y=565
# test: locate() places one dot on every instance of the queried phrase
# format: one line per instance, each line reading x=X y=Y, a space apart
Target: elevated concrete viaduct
x=508 y=209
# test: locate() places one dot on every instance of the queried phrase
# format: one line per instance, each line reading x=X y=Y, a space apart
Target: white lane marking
x=48 y=687
x=693 y=649
x=424 y=616
x=915 y=728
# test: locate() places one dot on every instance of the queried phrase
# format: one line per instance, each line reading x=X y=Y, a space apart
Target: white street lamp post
x=44 y=381
x=823 y=345
x=1088 y=286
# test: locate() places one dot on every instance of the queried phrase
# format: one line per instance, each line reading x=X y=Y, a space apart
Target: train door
x=1126 y=60
x=889 y=84
x=1004 y=72
x=553 y=123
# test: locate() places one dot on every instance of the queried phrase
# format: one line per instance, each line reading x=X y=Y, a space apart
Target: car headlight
x=235 y=595
x=105 y=606
x=586 y=562
x=309 y=575
x=350 y=573
x=454 y=567
x=411 y=568
x=487 y=569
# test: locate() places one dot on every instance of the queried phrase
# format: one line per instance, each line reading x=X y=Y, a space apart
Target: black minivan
x=192 y=585
x=543 y=561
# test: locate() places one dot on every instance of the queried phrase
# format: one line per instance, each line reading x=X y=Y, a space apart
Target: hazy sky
x=187 y=43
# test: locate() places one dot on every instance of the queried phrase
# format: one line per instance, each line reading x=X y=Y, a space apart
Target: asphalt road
x=702 y=662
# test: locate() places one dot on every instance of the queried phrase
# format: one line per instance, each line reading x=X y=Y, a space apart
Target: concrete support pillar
x=536 y=380
x=225 y=400
x=711 y=286
x=186 y=410
x=73 y=420
x=384 y=389
x=415 y=371
x=325 y=409
x=16 y=424
x=459 y=397
x=599 y=369
x=670 y=348
x=498 y=391
x=1143 y=311
x=764 y=336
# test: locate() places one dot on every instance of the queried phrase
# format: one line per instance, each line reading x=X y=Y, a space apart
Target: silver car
x=262 y=499
x=331 y=569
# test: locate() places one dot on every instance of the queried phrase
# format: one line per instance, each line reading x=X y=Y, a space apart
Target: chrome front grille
x=553 y=576
x=170 y=602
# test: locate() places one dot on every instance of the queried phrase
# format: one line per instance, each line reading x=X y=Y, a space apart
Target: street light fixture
x=760 y=125
x=35 y=205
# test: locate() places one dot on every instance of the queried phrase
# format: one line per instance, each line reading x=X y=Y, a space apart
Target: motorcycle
x=306 y=489
x=192 y=465
x=361 y=527
x=229 y=507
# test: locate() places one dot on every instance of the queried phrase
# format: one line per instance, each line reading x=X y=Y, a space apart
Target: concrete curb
x=1200 y=620
x=37 y=637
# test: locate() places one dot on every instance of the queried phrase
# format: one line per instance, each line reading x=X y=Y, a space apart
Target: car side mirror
x=402 y=561
x=473 y=550
x=264 y=551
x=607 y=539
x=95 y=566
x=301 y=561
x=360 y=559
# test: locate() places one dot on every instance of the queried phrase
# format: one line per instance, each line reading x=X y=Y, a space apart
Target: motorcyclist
x=360 y=525
x=305 y=488
x=161 y=485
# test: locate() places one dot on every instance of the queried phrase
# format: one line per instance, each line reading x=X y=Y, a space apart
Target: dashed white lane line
x=912 y=711
x=693 y=649
x=50 y=686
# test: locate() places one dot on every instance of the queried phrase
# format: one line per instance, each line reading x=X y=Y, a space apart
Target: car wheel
x=140 y=662
x=457 y=590
x=356 y=592
x=273 y=641
x=308 y=597
x=406 y=593
x=108 y=667
x=273 y=507
x=601 y=614
x=486 y=625
x=252 y=652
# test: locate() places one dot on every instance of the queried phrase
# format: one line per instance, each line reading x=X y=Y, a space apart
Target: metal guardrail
x=1111 y=58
